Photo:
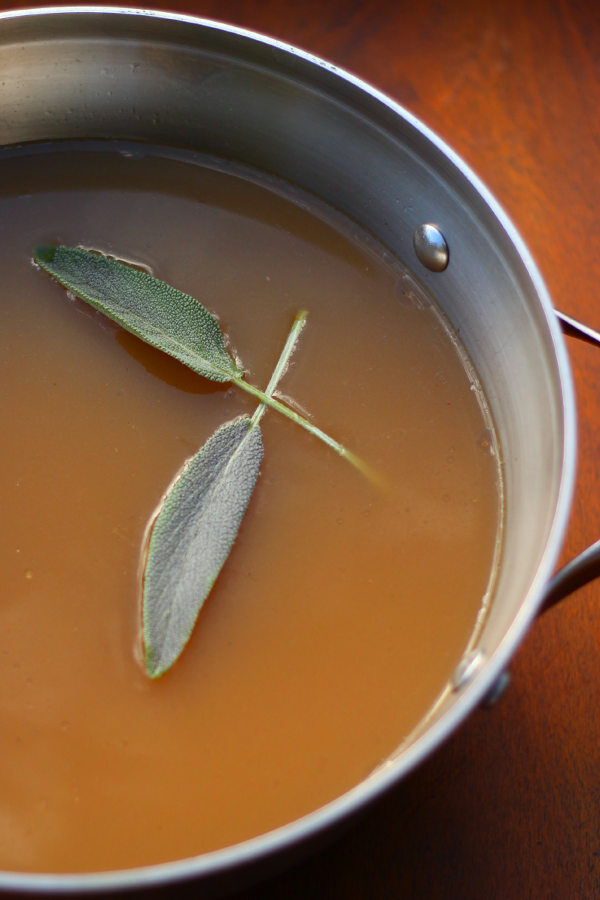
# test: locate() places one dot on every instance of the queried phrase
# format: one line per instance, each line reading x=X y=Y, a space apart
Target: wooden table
x=510 y=805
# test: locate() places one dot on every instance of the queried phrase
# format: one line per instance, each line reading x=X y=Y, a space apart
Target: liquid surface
x=342 y=610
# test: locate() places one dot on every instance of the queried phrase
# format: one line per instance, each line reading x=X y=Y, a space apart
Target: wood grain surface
x=510 y=805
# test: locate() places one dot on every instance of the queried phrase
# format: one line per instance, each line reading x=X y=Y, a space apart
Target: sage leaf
x=192 y=536
x=154 y=311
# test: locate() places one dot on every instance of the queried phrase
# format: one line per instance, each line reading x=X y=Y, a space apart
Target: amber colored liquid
x=342 y=610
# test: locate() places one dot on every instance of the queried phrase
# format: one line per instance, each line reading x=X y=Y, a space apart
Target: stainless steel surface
x=105 y=73
x=431 y=247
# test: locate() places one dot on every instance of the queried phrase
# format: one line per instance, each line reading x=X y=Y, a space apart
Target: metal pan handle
x=579 y=571
x=573 y=328
x=586 y=566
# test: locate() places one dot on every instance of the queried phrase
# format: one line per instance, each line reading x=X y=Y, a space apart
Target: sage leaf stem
x=290 y=413
x=282 y=363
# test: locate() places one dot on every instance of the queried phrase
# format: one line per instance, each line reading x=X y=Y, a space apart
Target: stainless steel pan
x=104 y=73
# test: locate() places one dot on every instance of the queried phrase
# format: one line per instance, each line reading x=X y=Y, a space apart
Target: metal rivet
x=467 y=668
x=431 y=247
x=497 y=689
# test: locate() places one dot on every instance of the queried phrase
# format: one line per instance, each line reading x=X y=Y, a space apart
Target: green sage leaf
x=192 y=536
x=152 y=310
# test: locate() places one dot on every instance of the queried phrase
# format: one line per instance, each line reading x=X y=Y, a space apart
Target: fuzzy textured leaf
x=192 y=536
x=154 y=311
